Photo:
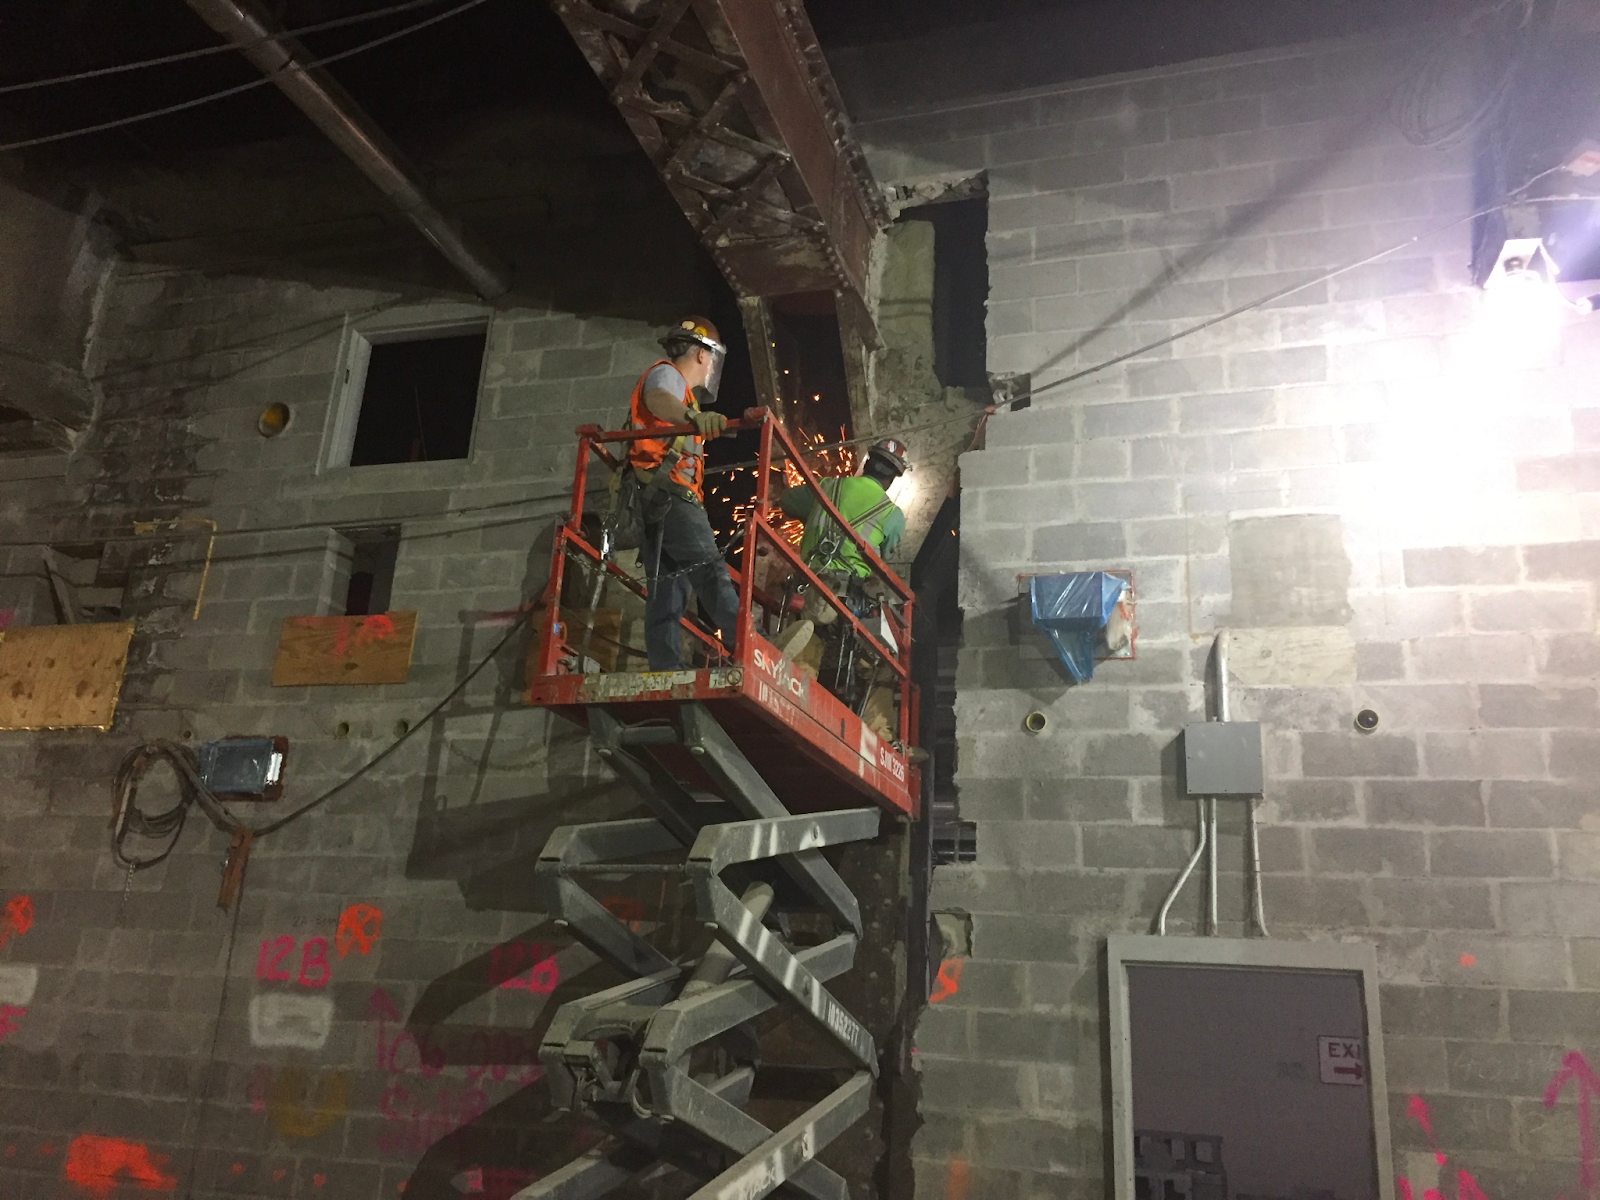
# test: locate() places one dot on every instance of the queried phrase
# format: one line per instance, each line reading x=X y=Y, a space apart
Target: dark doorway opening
x=419 y=400
x=960 y=288
x=372 y=556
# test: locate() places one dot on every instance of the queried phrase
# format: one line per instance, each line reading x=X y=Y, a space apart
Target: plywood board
x=321 y=650
x=62 y=676
x=1317 y=656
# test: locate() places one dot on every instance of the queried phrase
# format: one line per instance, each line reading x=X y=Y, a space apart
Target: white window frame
x=411 y=324
x=1338 y=958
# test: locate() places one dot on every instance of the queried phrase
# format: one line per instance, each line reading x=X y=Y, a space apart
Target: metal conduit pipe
x=332 y=110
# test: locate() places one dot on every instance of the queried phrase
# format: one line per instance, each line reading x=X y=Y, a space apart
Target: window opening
x=83 y=583
x=419 y=400
x=960 y=289
x=363 y=570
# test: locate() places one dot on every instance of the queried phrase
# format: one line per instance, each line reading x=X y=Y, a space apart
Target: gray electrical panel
x=1223 y=758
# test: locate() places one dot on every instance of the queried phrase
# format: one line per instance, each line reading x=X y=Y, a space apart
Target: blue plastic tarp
x=1071 y=610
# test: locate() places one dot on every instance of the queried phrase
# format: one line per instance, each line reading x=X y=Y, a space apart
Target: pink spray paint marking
x=1575 y=1067
x=1466 y=1186
x=9 y=1014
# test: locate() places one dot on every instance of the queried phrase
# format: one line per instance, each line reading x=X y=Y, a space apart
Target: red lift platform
x=810 y=746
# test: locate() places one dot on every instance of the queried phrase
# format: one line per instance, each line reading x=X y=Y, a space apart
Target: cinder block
x=1564 y=909
x=1068 y=173
x=1123 y=754
x=1039 y=1145
x=1525 y=705
x=1135 y=846
x=1575 y=755
x=1451 y=1012
x=1486 y=754
x=1027 y=1037
x=1273 y=368
x=1124 y=199
x=1175 y=376
x=1551 y=609
x=1311 y=800
x=1473 y=657
x=1575 y=655
x=1347 y=754
x=1419 y=904
x=1459 y=566
x=1579 y=561
x=1025 y=938
x=1438 y=803
x=1369 y=852
x=1130 y=419
x=1491 y=854
x=1302 y=901
x=1521 y=804
x=1109 y=501
x=1501 y=1068
x=1102 y=541
x=1217 y=117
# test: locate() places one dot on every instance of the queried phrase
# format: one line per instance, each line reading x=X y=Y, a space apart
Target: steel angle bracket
x=767 y=959
x=790 y=1153
x=577 y=845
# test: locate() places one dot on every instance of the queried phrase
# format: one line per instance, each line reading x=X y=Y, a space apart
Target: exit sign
x=1343 y=1060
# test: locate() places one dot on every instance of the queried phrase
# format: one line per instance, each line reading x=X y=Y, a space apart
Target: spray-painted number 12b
x=273 y=962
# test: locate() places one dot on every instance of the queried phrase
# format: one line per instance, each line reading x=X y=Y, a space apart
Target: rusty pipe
x=333 y=110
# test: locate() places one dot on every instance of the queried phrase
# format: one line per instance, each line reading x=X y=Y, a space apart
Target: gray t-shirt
x=667 y=378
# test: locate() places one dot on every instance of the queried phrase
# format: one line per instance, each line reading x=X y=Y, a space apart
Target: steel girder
x=735 y=105
x=635 y=1056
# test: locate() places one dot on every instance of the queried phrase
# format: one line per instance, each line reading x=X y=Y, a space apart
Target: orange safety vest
x=647 y=453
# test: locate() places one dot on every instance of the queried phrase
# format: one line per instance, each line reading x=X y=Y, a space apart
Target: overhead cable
x=223 y=48
x=264 y=81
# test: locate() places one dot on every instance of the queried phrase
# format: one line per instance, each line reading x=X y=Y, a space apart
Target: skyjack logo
x=781 y=671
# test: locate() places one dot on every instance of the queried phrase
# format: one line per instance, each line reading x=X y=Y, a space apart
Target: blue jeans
x=681 y=560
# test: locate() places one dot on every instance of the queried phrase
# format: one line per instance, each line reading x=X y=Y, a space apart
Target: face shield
x=706 y=393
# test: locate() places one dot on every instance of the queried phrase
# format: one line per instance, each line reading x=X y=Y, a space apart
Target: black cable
x=265 y=80
x=274 y=826
x=225 y=48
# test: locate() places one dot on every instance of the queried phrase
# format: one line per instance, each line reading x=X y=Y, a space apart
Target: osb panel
x=320 y=650
x=62 y=676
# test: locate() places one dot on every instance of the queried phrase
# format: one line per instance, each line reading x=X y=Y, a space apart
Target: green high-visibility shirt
x=864 y=504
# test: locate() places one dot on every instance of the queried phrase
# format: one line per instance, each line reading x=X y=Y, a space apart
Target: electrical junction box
x=1223 y=758
x=244 y=768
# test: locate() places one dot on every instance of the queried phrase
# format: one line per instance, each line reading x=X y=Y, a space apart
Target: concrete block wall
x=366 y=1022
x=1388 y=501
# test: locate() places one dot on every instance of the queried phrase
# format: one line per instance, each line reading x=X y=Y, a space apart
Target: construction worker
x=863 y=501
x=680 y=554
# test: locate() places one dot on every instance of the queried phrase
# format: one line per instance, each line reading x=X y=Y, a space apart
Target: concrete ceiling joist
x=735 y=106
x=335 y=112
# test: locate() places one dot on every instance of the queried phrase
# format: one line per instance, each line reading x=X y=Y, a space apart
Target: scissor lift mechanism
x=666 y=1060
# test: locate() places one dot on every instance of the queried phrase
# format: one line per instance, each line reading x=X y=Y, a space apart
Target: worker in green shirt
x=863 y=501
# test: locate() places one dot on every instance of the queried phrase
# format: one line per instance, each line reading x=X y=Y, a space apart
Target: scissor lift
x=750 y=768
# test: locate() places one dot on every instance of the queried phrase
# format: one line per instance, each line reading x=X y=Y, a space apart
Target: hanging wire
x=224 y=48
x=1503 y=33
x=182 y=106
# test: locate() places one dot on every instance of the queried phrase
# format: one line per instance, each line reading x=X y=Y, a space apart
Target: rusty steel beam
x=735 y=106
x=332 y=110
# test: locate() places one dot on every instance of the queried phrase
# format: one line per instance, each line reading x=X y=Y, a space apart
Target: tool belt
x=640 y=498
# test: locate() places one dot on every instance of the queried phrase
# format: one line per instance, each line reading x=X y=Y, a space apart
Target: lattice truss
x=666 y=1060
x=734 y=105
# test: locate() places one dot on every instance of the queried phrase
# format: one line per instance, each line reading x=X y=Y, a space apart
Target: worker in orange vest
x=680 y=554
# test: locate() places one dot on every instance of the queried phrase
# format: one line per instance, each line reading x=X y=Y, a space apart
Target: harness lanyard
x=830 y=541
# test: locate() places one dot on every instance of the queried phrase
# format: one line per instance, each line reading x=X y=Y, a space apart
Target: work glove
x=709 y=424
